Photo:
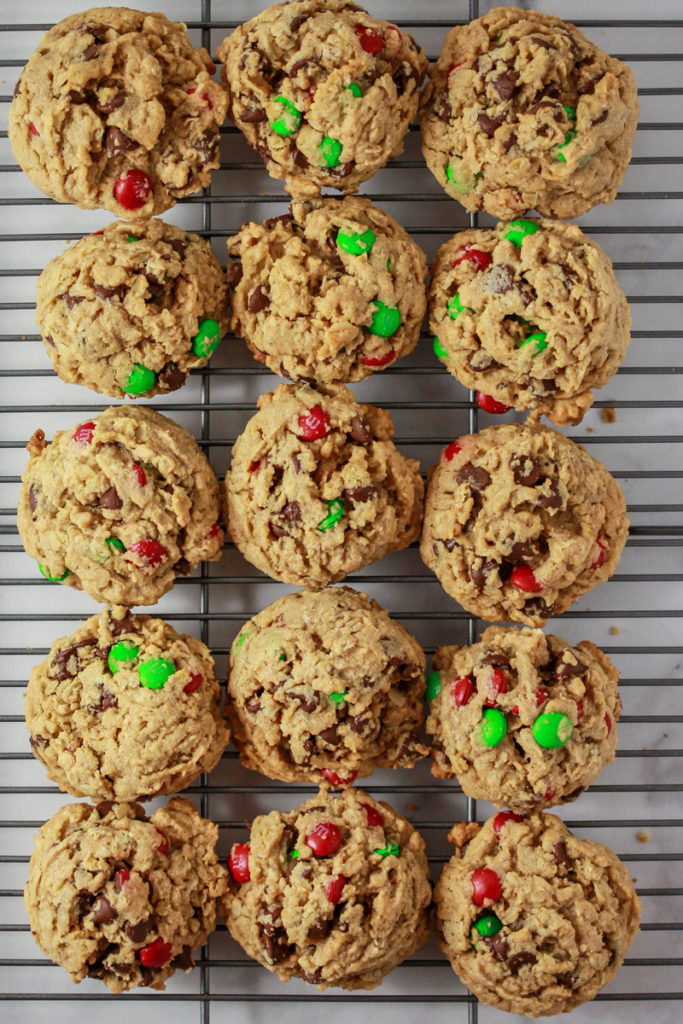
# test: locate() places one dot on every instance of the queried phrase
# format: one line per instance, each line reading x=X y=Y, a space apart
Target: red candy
x=157 y=954
x=83 y=434
x=504 y=816
x=478 y=256
x=379 y=360
x=324 y=839
x=163 y=846
x=216 y=530
x=453 y=449
x=550 y=795
x=337 y=780
x=151 y=552
x=452 y=67
x=515 y=710
x=34 y=130
x=120 y=878
x=334 y=888
x=601 y=557
x=497 y=685
x=462 y=689
x=372 y=42
x=196 y=680
x=523 y=578
x=314 y=424
x=133 y=189
x=374 y=817
x=608 y=723
x=579 y=710
x=486 y=885
x=140 y=474
x=489 y=404
x=254 y=467
x=541 y=696
x=238 y=862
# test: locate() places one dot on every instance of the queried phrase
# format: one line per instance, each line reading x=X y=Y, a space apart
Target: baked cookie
x=132 y=309
x=125 y=709
x=118 y=506
x=521 y=718
x=330 y=292
x=116 y=895
x=324 y=685
x=317 y=489
x=324 y=92
x=117 y=109
x=520 y=521
x=335 y=892
x=533 y=920
x=531 y=313
x=521 y=111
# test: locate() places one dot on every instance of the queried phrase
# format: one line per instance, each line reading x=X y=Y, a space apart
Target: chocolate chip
x=297 y=22
x=542 y=43
x=258 y=300
x=566 y=668
x=343 y=170
x=506 y=84
x=480 y=361
x=183 y=961
x=110 y=499
x=182 y=567
x=587 y=88
x=476 y=476
x=601 y=118
x=50 y=340
x=509 y=142
x=305 y=62
x=253 y=705
x=521 y=551
x=17 y=88
x=172 y=377
x=118 y=142
x=284 y=218
x=71 y=300
x=314 y=977
x=479 y=574
x=234 y=273
x=561 y=856
x=207 y=145
x=298 y=158
x=360 y=431
x=119 y=626
x=138 y=932
x=32 y=498
x=91 y=52
x=292 y=512
x=553 y=499
x=357 y=495
x=61 y=659
x=103 y=912
x=360 y=724
x=107 y=699
x=450 y=544
x=104 y=807
x=306 y=703
x=253 y=114
x=331 y=736
x=489 y=124
x=517 y=961
x=111 y=105
x=537 y=606
x=275 y=943
x=495 y=658
x=406 y=669
x=566 y=979
x=108 y=293
x=497 y=944
x=320 y=929
x=525 y=470
x=277 y=530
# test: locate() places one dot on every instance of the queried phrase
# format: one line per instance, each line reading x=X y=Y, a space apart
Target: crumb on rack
x=643 y=837
x=614 y=630
x=608 y=415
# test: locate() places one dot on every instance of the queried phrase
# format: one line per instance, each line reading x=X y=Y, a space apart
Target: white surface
x=632 y=230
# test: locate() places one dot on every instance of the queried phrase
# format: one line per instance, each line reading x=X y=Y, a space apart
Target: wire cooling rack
x=634 y=428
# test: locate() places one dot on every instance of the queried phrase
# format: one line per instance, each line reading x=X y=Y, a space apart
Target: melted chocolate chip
x=297 y=22
x=476 y=476
x=320 y=929
x=495 y=658
x=553 y=499
x=525 y=470
x=91 y=52
x=406 y=669
x=107 y=699
x=138 y=932
x=103 y=807
x=489 y=124
x=450 y=544
x=274 y=941
x=119 y=626
x=183 y=960
x=108 y=293
x=506 y=84
x=258 y=300
x=110 y=499
x=253 y=114
x=566 y=668
x=71 y=300
x=306 y=703
x=521 y=551
x=498 y=945
x=62 y=658
x=331 y=736
x=17 y=88
x=111 y=105
x=500 y=278
x=207 y=145
x=182 y=567
x=479 y=574
x=561 y=856
x=602 y=117
x=50 y=340
x=587 y=88
x=360 y=431
x=444 y=111
x=360 y=724
x=518 y=960
x=543 y=43
x=172 y=377
x=298 y=158
x=179 y=247
x=234 y=273
x=103 y=912
x=343 y=170
x=277 y=530
x=537 y=606
x=292 y=512
x=566 y=979
x=253 y=705
x=117 y=141
x=358 y=495
x=284 y=218
x=38 y=741
x=305 y=62
x=480 y=361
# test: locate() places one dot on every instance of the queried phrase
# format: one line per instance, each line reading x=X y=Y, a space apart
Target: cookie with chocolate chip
x=119 y=505
x=325 y=686
x=529 y=312
x=324 y=92
x=125 y=709
x=131 y=309
x=116 y=895
x=335 y=892
x=317 y=488
x=332 y=291
x=520 y=521
x=521 y=718
x=116 y=109
x=522 y=112
x=533 y=919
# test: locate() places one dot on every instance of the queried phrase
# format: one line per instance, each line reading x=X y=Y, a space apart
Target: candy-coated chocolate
x=489 y=404
x=453 y=449
x=356 y=243
x=498 y=684
x=196 y=680
x=314 y=424
x=114 y=544
x=330 y=151
x=289 y=120
x=439 y=350
x=335 y=512
x=238 y=862
x=385 y=321
x=488 y=924
x=53 y=579
x=122 y=655
x=479 y=256
x=601 y=555
x=486 y=885
x=155 y=673
x=522 y=577
x=163 y=846
x=433 y=687
x=150 y=552
x=537 y=340
x=371 y=41
x=373 y=815
x=390 y=850
x=502 y=817
x=462 y=689
x=552 y=729
x=324 y=839
x=84 y=432
x=379 y=360
x=354 y=89
x=519 y=229
x=156 y=954
x=339 y=697
x=207 y=339
x=334 y=888
x=455 y=308
x=338 y=780
x=493 y=727
x=140 y=380
x=133 y=189
x=140 y=475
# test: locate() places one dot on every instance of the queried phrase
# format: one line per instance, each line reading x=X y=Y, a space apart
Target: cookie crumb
x=643 y=837
x=410 y=807
x=608 y=416
x=589 y=430
x=614 y=630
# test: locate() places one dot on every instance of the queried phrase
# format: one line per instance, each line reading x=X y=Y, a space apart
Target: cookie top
x=531 y=313
x=116 y=895
x=522 y=112
x=521 y=718
x=117 y=109
x=534 y=920
x=125 y=709
x=520 y=522
x=330 y=292
x=324 y=92
x=131 y=309
x=324 y=685
x=317 y=489
x=335 y=892
x=119 y=505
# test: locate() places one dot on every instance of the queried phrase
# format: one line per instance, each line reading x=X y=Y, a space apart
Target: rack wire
x=635 y=806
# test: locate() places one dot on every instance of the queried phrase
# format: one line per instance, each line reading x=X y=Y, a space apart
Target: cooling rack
x=634 y=427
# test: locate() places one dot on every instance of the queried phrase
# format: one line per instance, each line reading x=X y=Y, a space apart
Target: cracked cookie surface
x=324 y=92
x=520 y=521
x=530 y=313
x=522 y=112
x=317 y=489
x=533 y=919
x=116 y=109
x=125 y=709
x=116 y=895
x=331 y=292
x=335 y=892
x=119 y=505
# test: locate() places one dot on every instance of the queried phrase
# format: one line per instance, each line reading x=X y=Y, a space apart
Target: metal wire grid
x=429 y=408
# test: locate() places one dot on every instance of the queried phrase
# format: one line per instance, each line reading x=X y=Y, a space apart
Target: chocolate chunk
x=360 y=431
x=275 y=943
x=253 y=705
x=306 y=703
x=183 y=960
x=517 y=961
x=521 y=551
x=561 y=856
x=117 y=142
x=234 y=273
x=566 y=979
x=277 y=530
x=568 y=665
x=107 y=699
x=104 y=807
x=103 y=912
x=480 y=361
x=331 y=736
x=258 y=300
x=110 y=499
x=542 y=43
x=495 y=658
x=91 y=52
x=489 y=124
x=496 y=943
x=506 y=84
x=172 y=377
x=553 y=499
x=206 y=145
x=476 y=476
x=297 y=22
x=111 y=105
x=253 y=114
x=357 y=495
x=182 y=567
x=71 y=300
x=343 y=170
x=108 y=293
x=284 y=218
x=601 y=118
x=320 y=929
x=479 y=574
x=450 y=544
x=525 y=470
x=119 y=626
x=298 y=158
x=292 y=512
x=62 y=658
x=138 y=932
x=500 y=278
x=537 y=606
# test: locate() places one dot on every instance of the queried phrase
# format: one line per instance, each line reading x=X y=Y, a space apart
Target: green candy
x=207 y=339
x=289 y=120
x=390 y=265
x=386 y=321
x=488 y=924
x=339 y=698
x=433 y=688
x=293 y=854
x=539 y=337
x=570 y=112
x=455 y=308
x=53 y=579
x=330 y=150
x=283 y=657
x=354 y=89
x=439 y=350
x=114 y=544
x=122 y=655
x=356 y=243
x=493 y=727
x=140 y=380
x=519 y=229
x=461 y=177
x=335 y=511
x=241 y=638
x=567 y=139
x=552 y=729
x=154 y=674
x=132 y=238
x=390 y=850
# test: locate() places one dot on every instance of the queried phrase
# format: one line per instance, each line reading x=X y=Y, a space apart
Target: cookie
x=116 y=895
x=119 y=505
x=523 y=719
x=330 y=292
x=531 y=313
x=533 y=920
x=335 y=892
x=325 y=686
x=322 y=91
x=520 y=521
x=317 y=488
x=522 y=112
x=117 y=109
x=125 y=709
